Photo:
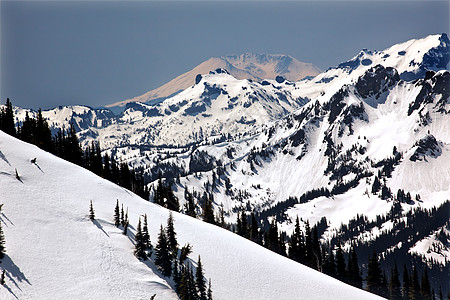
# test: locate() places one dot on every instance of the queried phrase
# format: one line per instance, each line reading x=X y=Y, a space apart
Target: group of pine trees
x=410 y=288
x=174 y=262
x=170 y=260
x=65 y=144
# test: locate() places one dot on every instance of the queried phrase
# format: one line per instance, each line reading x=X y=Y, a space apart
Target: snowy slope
x=244 y=66
x=348 y=137
x=54 y=251
x=411 y=59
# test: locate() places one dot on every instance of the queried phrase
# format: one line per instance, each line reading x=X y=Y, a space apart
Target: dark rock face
x=297 y=138
x=427 y=146
x=336 y=105
x=198 y=78
x=432 y=85
x=279 y=79
x=376 y=81
x=438 y=57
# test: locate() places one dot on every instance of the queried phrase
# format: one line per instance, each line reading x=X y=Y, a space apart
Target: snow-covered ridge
x=54 y=251
x=244 y=66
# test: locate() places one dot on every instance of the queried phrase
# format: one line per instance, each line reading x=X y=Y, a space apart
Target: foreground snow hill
x=55 y=252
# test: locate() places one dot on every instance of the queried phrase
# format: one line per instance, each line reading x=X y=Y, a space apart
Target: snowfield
x=55 y=252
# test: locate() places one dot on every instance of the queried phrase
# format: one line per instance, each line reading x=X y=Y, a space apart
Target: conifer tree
x=308 y=245
x=254 y=228
x=406 y=283
x=2 y=243
x=384 y=289
x=125 y=227
x=208 y=212
x=209 y=292
x=146 y=235
x=395 y=292
x=139 y=249
x=340 y=263
x=317 y=252
x=122 y=216
x=374 y=275
x=200 y=281
x=189 y=206
x=91 y=212
x=426 y=289
x=171 y=235
x=329 y=267
x=117 y=214
x=354 y=272
x=176 y=274
x=2 y=278
x=163 y=257
x=7 y=119
x=414 y=291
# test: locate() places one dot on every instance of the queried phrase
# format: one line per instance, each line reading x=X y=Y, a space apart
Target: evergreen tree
x=43 y=135
x=117 y=214
x=122 y=216
x=208 y=212
x=183 y=289
x=189 y=206
x=426 y=289
x=395 y=292
x=125 y=227
x=7 y=119
x=317 y=251
x=91 y=212
x=171 y=235
x=2 y=278
x=294 y=244
x=308 y=246
x=163 y=258
x=209 y=293
x=414 y=291
x=354 y=274
x=376 y=185
x=106 y=167
x=2 y=243
x=340 y=263
x=406 y=283
x=139 y=249
x=200 y=281
x=329 y=267
x=74 y=152
x=384 y=289
x=146 y=235
x=254 y=228
x=176 y=275
x=374 y=275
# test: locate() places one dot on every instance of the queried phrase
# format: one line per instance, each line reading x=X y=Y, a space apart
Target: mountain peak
x=242 y=66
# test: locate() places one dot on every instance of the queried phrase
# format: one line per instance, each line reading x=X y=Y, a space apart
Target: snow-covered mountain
x=53 y=250
x=245 y=66
x=217 y=104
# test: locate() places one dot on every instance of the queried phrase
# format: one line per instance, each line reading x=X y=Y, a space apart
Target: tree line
x=65 y=144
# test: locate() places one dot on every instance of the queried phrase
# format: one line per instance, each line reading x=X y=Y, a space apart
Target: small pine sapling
x=91 y=212
x=2 y=243
x=2 y=278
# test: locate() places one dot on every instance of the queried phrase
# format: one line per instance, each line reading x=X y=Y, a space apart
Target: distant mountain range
x=245 y=66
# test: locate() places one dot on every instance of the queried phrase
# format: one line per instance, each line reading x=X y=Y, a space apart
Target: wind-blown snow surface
x=55 y=252
x=244 y=66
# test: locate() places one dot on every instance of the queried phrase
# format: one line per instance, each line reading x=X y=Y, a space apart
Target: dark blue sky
x=95 y=53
